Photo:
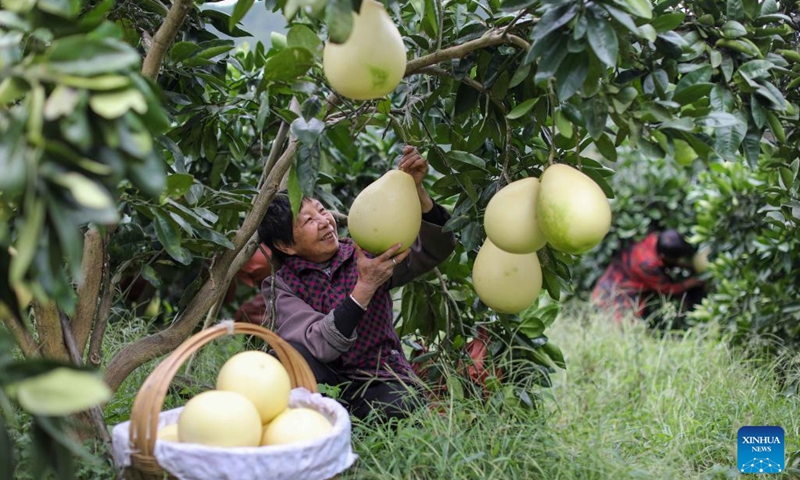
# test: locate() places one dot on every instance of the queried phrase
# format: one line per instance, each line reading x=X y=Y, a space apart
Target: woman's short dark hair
x=673 y=246
x=277 y=225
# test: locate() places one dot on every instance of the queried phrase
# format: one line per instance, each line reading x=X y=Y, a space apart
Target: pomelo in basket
x=506 y=282
x=574 y=213
x=372 y=61
x=510 y=219
x=296 y=425
x=220 y=419
x=385 y=213
x=259 y=377
x=168 y=433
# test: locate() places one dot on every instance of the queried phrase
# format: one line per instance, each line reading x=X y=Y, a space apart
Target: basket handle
x=150 y=399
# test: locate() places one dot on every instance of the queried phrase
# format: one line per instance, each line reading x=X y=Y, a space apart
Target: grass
x=631 y=405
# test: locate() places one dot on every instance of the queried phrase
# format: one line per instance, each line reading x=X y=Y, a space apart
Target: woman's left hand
x=413 y=164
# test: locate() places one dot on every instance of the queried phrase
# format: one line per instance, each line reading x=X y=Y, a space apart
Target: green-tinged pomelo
x=385 y=213
x=574 y=213
x=684 y=153
x=506 y=282
x=700 y=260
x=220 y=419
x=511 y=220
x=372 y=62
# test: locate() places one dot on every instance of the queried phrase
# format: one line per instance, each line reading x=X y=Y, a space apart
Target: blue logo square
x=760 y=450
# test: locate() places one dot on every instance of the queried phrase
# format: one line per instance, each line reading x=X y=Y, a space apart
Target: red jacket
x=637 y=273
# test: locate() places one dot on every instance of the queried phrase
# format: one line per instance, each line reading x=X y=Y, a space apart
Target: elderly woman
x=333 y=302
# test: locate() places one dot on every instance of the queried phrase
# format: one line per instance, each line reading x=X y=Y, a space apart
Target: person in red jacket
x=639 y=273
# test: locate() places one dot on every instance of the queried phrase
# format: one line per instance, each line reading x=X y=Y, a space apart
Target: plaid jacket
x=306 y=295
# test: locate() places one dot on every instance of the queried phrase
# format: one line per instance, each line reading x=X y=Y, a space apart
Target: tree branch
x=164 y=37
x=95 y=355
x=89 y=289
x=29 y=347
x=491 y=38
x=51 y=334
x=134 y=355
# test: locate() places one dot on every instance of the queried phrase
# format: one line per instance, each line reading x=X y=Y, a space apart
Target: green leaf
x=624 y=19
x=68 y=9
x=111 y=105
x=668 y=21
x=768 y=91
x=606 y=148
x=735 y=9
x=288 y=64
x=307 y=132
x=552 y=20
x=522 y=109
x=733 y=29
x=600 y=180
x=571 y=75
x=555 y=354
x=307 y=166
x=339 y=18
x=303 y=37
x=170 y=238
x=79 y=55
x=86 y=192
x=180 y=51
x=514 y=5
x=595 y=114
x=7 y=464
x=693 y=93
x=214 y=236
x=466 y=98
x=239 y=11
x=697 y=76
x=603 y=40
x=62 y=391
x=466 y=158
x=27 y=240
x=178 y=184
x=640 y=8
x=295 y=191
x=769 y=7
x=12 y=159
x=520 y=74
x=551 y=59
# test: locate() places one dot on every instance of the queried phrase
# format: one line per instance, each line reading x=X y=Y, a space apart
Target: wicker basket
x=150 y=399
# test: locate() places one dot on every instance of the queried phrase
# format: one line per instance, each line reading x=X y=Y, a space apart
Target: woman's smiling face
x=315 y=235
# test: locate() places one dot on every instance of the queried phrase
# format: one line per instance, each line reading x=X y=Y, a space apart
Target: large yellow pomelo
x=385 y=213
x=510 y=219
x=296 y=425
x=220 y=419
x=506 y=282
x=261 y=378
x=372 y=61
x=574 y=213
